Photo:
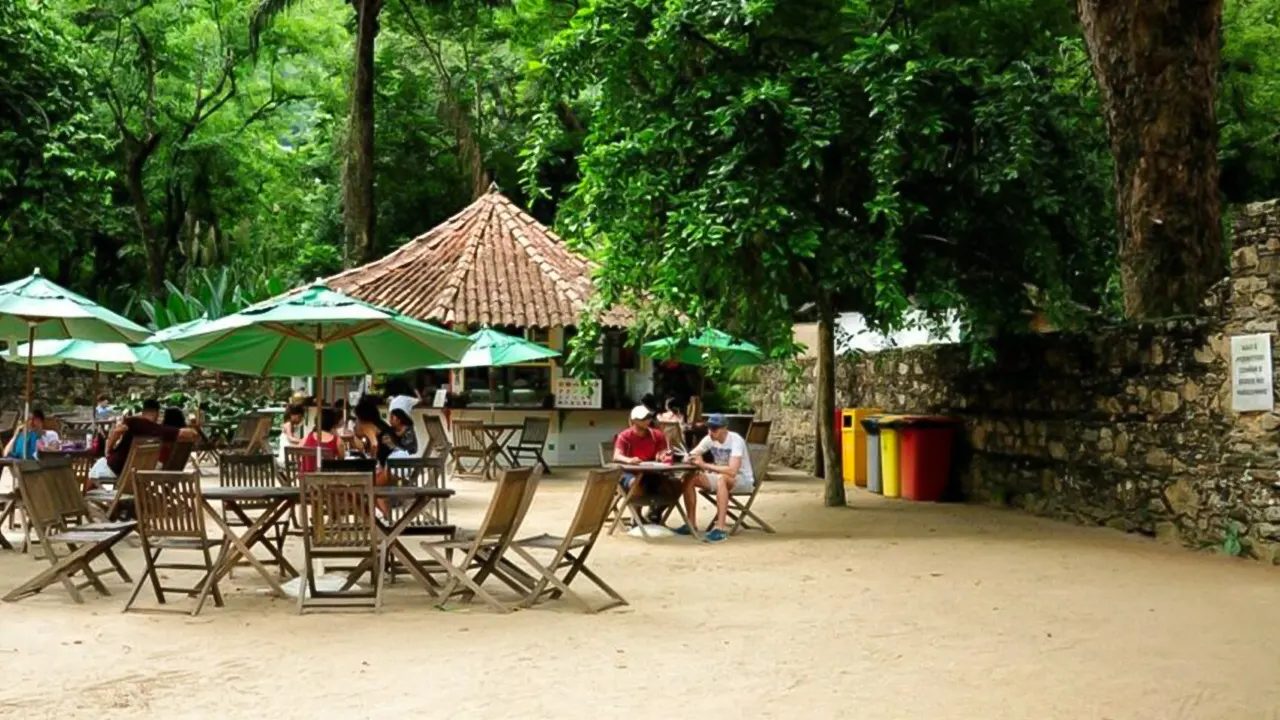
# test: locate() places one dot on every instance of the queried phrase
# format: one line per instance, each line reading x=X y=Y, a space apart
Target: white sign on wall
x=574 y=393
x=1252 y=385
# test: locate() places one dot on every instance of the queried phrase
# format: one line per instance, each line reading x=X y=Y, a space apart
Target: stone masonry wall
x=1129 y=427
x=58 y=386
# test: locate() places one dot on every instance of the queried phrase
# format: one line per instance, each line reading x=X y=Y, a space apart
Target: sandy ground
x=882 y=610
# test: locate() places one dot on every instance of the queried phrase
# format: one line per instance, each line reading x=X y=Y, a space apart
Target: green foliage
x=209 y=294
x=1249 y=100
x=744 y=159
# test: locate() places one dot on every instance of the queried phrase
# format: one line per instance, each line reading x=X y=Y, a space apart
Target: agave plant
x=209 y=293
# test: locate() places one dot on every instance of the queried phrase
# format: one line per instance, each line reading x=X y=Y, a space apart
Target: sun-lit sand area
x=882 y=610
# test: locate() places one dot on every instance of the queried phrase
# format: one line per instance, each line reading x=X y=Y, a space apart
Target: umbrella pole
x=26 y=410
x=319 y=393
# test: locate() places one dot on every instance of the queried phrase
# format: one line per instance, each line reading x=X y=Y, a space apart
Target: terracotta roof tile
x=492 y=263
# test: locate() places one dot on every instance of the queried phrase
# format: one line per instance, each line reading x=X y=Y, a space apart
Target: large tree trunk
x=1156 y=62
x=357 y=180
x=833 y=496
x=135 y=161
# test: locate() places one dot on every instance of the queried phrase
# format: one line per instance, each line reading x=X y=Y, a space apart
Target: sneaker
x=683 y=530
x=715 y=536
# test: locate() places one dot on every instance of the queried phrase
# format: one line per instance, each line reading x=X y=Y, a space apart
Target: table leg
x=240 y=545
x=391 y=536
x=285 y=565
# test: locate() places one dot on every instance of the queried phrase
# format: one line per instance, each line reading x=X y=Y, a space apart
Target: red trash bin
x=927 y=444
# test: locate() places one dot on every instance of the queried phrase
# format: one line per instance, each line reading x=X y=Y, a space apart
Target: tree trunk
x=357 y=180
x=1156 y=62
x=154 y=246
x=833 y=496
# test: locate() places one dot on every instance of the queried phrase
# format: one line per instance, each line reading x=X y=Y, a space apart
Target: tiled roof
x=492 y=263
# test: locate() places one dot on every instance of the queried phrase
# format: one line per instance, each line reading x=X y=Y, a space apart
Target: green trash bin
x=875 y=480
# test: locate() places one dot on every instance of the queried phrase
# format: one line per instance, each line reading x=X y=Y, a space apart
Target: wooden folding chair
x=247 y=471
x=739 y=424
x=470 y=441
x=438 y=444
x=107 y=503
x=674 y=433
x=171 y=517
x=51 y=495
x=81 y=462
x=337 y=522
x=759 y=432
x=296 y=458
x=572 y=549
x=533 y=440
x=483 y=550
x=250 y=436
x=179 y=456
x=740 y=511
x=9 y=503
x=617 y=515
x=421 y=472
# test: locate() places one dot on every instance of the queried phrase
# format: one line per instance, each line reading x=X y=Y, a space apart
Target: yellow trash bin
x=889 y=455
x=853 y=444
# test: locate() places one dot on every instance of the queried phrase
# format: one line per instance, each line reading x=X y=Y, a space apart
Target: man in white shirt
x=729 y=470
x=402 y=398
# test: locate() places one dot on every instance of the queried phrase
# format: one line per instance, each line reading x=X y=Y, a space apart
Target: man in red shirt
x=143 y=425
x=641 y=443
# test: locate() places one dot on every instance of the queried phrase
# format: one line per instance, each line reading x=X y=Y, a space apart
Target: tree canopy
x=727 y=163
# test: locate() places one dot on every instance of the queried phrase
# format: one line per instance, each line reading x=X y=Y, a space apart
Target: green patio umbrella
x=40 y=309
x=315 y=330
x=103 y=357
x=705 y=347
x=490 y=348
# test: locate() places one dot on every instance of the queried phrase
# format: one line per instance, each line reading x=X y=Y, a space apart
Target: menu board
x=575 y=393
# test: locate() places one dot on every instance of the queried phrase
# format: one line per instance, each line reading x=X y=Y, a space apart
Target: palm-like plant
x=209 y=294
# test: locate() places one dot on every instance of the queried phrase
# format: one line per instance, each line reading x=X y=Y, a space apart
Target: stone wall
x=1128 y=427
x=59 y=386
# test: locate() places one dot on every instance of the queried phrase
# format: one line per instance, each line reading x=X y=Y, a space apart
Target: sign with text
x=1252 y=386
x=575 y=393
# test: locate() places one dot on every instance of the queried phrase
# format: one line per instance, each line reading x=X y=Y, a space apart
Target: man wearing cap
x=729 y=470
x=641 y=443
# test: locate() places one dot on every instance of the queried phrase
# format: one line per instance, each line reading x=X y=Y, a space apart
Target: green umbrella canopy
x=703 y=347
x=315 y=331
x=104 y=357
x=176 y=330
x=34 y=307
x=490 y=348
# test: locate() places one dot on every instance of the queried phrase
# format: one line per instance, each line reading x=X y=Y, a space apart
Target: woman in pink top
x=328 y=439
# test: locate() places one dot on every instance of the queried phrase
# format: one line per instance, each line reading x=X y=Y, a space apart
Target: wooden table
x=500 y=434
x=670 y=495
x=278 y=501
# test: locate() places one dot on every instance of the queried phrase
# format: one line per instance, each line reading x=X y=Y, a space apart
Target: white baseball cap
x=640 y=412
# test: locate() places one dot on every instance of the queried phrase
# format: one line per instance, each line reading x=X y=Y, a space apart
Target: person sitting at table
x=400 y=397
x=729 y=470
x=641 y=443
x=329 y=438
x=174 y=418
x=102 y=410
x=671 y=412
x=145 y=424
x=27 y=443
x=405 y=441
x=292 y=429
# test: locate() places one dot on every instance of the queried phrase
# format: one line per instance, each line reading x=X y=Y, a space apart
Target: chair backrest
x=178 y=456
x=144 y=454
x=674 y=434
x=596 y=503
x=236 y=470
x=740 y=424
x=81 y=461
x=759 y=432
x=245 y=429
x=759 y=454
x=469 y=435
x=337 y=510
x=39 y=501
x=535 y=431
x=416 y=471
x=606 y=452
x=502 y=518
x=694 y=413
x=296 y=457
x=8 y=420
x=436 y=434
x=169 y=504
x=54 y=423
